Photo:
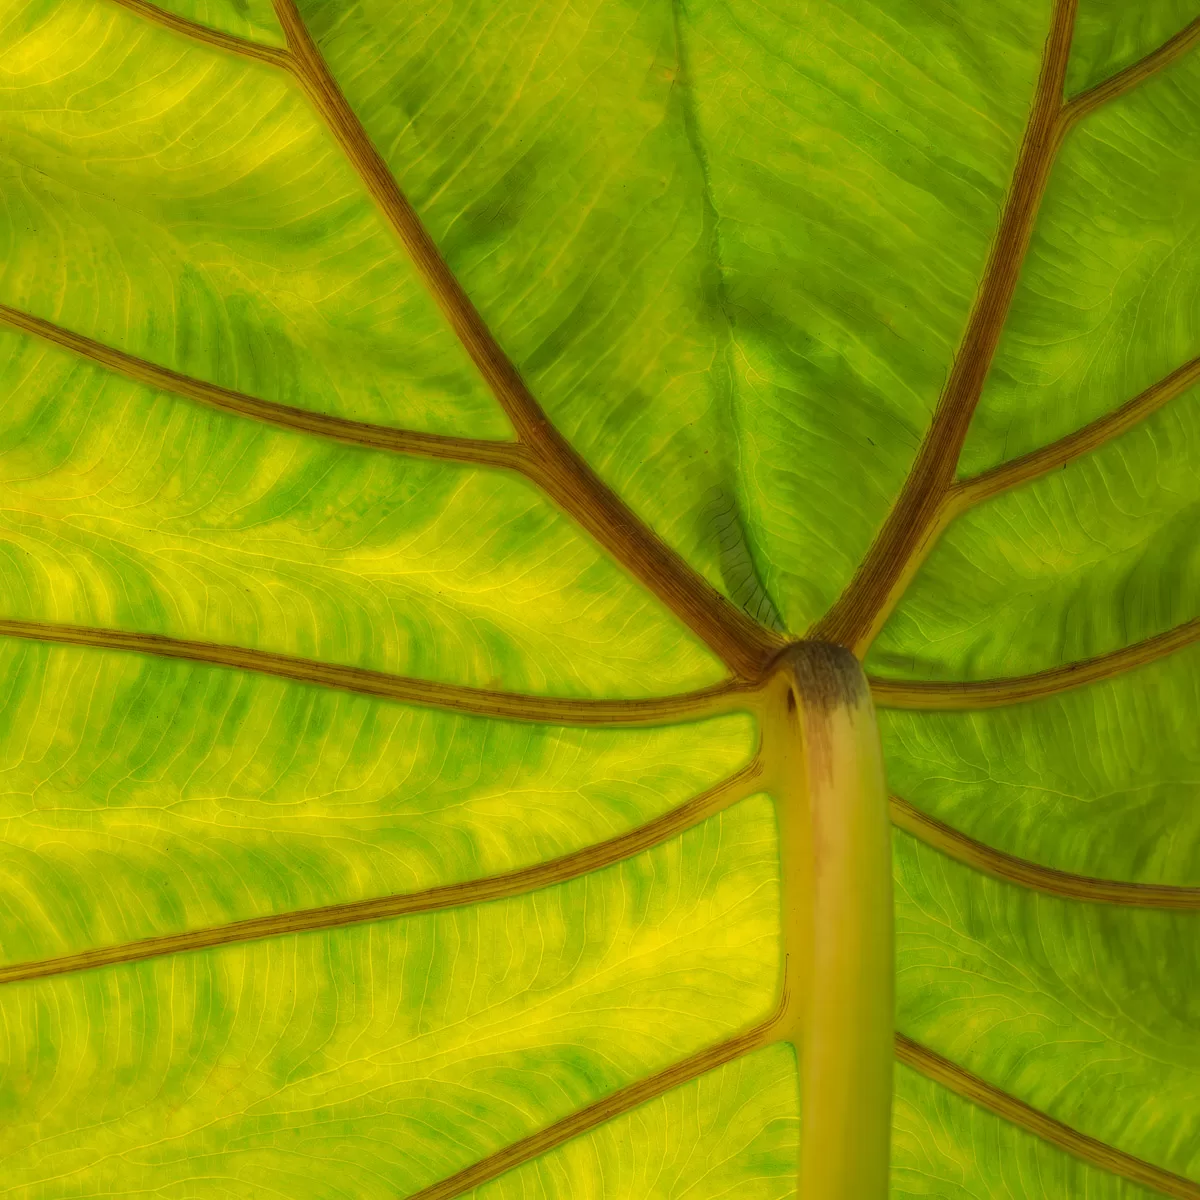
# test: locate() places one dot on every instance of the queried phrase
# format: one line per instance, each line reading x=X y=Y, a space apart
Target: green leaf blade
x=732 y=252
x=1084 y=1012
x=384 y=1039
x=838 y=142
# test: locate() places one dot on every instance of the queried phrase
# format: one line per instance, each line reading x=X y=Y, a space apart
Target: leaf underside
x=423 y=427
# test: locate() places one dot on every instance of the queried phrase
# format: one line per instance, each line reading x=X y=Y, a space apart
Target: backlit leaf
x=390 y=796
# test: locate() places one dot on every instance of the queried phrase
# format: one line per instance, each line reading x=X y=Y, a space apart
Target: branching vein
x=930 y=498
x=743 y=644
x=454 y=895
x=912 y=523
x=996 y=693
x=469 y=701
x=603 y=1110
x=1125 y=81
x=1009 y=1108
x=270 y=55
x=1028 y=874
x=357 y=433
x=969 y=492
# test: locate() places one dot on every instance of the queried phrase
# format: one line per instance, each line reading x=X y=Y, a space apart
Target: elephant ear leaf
x=448 y=454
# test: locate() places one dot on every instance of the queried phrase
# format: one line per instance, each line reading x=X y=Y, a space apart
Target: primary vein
x=930 y=498
x=453 y=895
x=742 y=643
x=451 y=697
x=997 y=693
x=745 y=645
x=912 y=523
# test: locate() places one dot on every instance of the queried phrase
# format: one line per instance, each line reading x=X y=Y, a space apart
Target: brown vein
x=603 y=1110
x=995 y=693
x=1099 y=1154
x=968 y=492
x=453 y=895
x=271 y=55
x=358 y=433
x=744 y=645
x=913 y=523
x=1028 y=874
x=1124 y=81
x=471 y=701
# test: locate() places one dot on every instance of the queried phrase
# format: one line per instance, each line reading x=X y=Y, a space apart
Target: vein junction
x=931 y=496
x=930 y=499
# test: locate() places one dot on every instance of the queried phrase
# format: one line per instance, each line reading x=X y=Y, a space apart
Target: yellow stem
x=835 y=835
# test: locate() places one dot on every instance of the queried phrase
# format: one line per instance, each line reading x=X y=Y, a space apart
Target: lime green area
x=368 y=1062
x=553 y=152
x=1107 y=300
x=1100 y=781
x=1086 y=560
x=858 y=156
x=254 y=19
x=140 y=797
x=1111 y=35
x=124 y=507
x=732 y=247
x=944 y=1148
x=187 y=206
x=730 y=1133
x=1087 y=1012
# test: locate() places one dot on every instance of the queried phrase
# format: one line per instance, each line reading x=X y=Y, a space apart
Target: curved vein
x=999 y=693
x=1091 y=437
x=743 y=644
x=603 y=1110
x=1024 y=873
x=1125 y=81
x=996 y=693
x=1099 y=1154
x=271 y=55
x=453 y=895
x=913 y=522
x=469 y=701
x=508 y=455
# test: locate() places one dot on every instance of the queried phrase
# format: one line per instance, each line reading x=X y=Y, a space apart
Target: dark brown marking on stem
x=1124 y=81
x=469 y=701
x=1026 y=874
x=968 y=492
x=453 y=895
x=744 y=645
x=603 y=1110
x=1090 y=1150
x=906 y=534
x=827 y=676
x=996 y=693
x=836 y=891
x=509 y=455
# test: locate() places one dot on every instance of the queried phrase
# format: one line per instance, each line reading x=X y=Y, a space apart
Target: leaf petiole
x=822 y=745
